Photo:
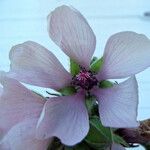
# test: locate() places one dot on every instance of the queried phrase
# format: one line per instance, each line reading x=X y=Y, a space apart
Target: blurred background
x=22 y=20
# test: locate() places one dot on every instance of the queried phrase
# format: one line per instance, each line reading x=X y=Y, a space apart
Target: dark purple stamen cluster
x=84 y=79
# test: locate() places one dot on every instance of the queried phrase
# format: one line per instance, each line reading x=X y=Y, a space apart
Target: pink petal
x=64 y=117
x=118 y=105
x=22 y=137
x=126 y=53
x=32 y=63
x=72 y=33
x=17 y=103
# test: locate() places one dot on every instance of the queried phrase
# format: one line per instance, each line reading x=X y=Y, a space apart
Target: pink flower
x=66 y=117
x=19 y=113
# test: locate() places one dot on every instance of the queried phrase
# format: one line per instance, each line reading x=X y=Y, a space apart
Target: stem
x=112 y=135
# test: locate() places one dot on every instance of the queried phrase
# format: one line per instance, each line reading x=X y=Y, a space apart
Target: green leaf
x=119 y=140
x=96 y=65
x=98 y=146
x=105 y=84
x=98 y=137
x=105 y=132
x=69 y=90
x=82 y=146
x=74 y=68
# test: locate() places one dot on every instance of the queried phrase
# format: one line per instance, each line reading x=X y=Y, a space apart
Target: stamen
x=83 y=76
x=84 y=79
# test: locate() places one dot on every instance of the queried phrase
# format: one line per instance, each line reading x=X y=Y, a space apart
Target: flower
x=19 y=112
x=66 y=117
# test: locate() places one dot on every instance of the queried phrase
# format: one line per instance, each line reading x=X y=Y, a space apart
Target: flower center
x=84 y=79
